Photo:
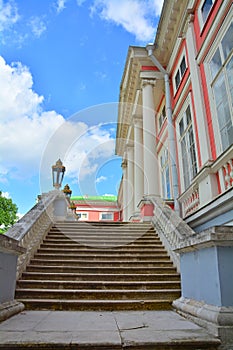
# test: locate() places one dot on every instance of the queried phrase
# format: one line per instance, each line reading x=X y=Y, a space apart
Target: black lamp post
x=67 y=191
x=58 y=171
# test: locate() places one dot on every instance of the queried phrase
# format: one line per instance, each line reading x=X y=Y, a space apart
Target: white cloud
x=88 y=152
x=38 y=26
x=101 y=179
x=16 y=95
x=6 y=195
x=24 y=126
x=30 y=134
x=80 y=2
x=100 y=75
x=60 y=5
x=135 y=16
x=8 y=14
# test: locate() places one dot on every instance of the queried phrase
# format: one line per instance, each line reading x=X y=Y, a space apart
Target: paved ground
x=111 y=330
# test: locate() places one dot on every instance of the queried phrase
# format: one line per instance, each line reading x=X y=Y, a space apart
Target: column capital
x=137 y=120
x=129 y=144
x=146 y=82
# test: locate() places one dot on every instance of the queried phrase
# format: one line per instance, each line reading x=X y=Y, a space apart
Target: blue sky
x=61 y=63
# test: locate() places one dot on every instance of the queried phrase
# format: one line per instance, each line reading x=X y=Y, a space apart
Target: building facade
x=175 y=120
x=96 y=208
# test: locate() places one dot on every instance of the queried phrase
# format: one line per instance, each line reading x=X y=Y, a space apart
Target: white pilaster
x=151 y=169
x=138 y=163
x=130 y=182
x=197 y=95
x=125 y=192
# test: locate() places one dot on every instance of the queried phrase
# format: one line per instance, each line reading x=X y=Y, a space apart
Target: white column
x=151 y=169
x=125 y=192
x=130 y=182
x=138 y=163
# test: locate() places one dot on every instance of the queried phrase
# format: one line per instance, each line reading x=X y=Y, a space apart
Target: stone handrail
x=31 y=229
x=170 y=227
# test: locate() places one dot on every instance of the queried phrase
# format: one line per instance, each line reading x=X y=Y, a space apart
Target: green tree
x=8 y=211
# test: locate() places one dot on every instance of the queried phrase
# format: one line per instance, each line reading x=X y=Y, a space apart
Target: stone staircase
x=99 y=266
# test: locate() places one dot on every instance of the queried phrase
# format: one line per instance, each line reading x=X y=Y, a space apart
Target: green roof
x=94 y=198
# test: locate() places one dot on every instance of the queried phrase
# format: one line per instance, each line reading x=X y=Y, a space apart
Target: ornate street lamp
x=67 y=191
x=58 y=171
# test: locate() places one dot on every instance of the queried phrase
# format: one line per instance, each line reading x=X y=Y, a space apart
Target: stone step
x=96 y=284
x=90 y=229
x=96 y=305
x=100 y=269
x=102 y=263
x=97 y=294
x=101 y=277
x=102 y=256
x=98 y=242
x=68 y=238
x=89 y=250
x=103 y=224
x=102 y=244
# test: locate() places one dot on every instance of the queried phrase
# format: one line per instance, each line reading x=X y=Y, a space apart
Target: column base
x=136 y=217
x=9 y=309
x=218 y=320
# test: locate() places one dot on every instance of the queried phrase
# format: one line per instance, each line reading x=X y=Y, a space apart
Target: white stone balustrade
x=227 y=171
x=30 y=230
x=191 y=204
x=213 y=179
x=170 y=227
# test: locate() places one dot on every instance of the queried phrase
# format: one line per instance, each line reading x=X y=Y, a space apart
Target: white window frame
x=211 y=53
x=108 y=213
x=180 y=116
x=82 y=213
x=200 y=14
x=178 y=69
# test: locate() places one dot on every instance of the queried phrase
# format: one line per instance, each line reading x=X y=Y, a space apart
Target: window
x=205 y=9
x=180 y=72
x=162 y=117
x=106 y=216
x=188 y=151
x=82 y=216
x=165 y=174
x=221 y=68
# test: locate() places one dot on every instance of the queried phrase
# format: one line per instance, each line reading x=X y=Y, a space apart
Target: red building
x=175 y=122
x=97 y=208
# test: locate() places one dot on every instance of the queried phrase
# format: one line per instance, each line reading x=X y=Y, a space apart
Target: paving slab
x=102 y=330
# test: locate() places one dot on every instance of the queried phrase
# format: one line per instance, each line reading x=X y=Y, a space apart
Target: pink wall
x=94 y=214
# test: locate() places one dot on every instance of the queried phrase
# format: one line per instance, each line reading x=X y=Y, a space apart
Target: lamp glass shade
x=58 y=171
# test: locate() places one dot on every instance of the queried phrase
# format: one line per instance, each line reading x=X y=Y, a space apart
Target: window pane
x=206 y=8
x=181 y=125
x=227 y=42
x=177 y=79
x=168 y=194
x=220 y=90
x=185 y=163
x=215 y=64
x=229 y=72
x=183 y=66
x=164 y=112
x=223 y=112
x=107 y=216
x=188 y=115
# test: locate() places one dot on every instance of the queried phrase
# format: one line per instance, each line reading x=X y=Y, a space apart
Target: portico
x=136 y=141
